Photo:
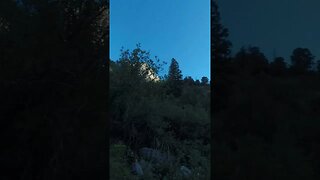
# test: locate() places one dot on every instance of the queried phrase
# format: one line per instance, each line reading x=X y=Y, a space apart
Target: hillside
x=147 y=115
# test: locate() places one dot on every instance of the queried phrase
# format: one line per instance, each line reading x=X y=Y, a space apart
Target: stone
x=136 y=169
x=155 y=156
x=185 y=171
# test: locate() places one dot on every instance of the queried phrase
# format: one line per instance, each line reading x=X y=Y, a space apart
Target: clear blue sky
x=177 y=29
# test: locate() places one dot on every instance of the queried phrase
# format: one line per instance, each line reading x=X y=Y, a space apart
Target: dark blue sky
x=279 y=25
x=177 y=29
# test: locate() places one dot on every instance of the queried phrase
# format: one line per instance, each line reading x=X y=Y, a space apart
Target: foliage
x=251 y=60
x=174 y=78
x=145 y=115
x=188 y=80
x=278 y=66
x=119 y=169
x=302 y=59
x=318 y=66
x=220 y=49
x=204 y=80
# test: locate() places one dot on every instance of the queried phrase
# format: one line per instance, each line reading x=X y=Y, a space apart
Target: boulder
x=185 y=171
x=136 y=169
x=147 y=166
x=155 y=156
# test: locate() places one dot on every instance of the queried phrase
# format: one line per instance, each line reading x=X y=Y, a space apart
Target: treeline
x=265 y=113
x=169 y=116
x=251 y=61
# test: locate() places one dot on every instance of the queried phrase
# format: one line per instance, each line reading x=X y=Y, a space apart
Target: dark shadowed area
x=53 y=89
x=265 y=107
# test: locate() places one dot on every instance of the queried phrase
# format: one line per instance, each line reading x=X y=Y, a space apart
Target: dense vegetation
x=53 y=88
x=170 y=115
x=265 y=112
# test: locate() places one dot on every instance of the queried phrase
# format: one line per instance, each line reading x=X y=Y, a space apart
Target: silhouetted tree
x=220 y=49
x=251 y=60
x=174 y=78
x=318 y=66
x=204 y=80
x=188 y=80
x=301 y=59
x=278 y=66
x=241 y=57
x=197 y=82
x=220 y=54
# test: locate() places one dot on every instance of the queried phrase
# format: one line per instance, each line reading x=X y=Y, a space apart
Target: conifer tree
x=220 y=44
x=220 y=52
x=174 y=78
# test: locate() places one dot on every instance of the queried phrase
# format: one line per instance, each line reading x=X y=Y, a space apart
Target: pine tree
x=174 y=78
x=174 y=71
x=220 y=52
x=220 y=44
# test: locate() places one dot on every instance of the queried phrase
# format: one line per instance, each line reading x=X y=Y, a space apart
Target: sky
x=276 y=26
x=169 y=29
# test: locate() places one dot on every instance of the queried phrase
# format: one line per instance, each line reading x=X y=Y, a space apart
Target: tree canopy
x=301 y=59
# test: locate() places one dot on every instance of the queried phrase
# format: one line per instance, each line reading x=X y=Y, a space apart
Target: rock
x=136 y=169
x=155 y=156
x=185 y=171
x=147 y=166
x=150 y=154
